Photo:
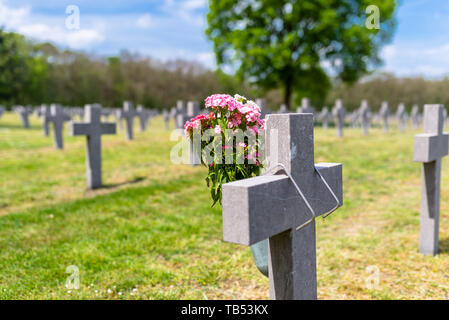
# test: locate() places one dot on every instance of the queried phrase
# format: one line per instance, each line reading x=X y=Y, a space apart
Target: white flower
x=253 y=105
x=239 y=98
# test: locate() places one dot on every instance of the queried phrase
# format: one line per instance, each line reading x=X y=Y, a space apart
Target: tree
x=295 y=44
x=22 y=70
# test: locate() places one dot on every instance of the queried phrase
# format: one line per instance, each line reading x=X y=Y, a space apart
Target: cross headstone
x=193 y=109
x=339 y=113
x=24 y=113
x=144 y=116
x=262 y=104
x=269 y=207
x=429 y=148
x=416 y=118
x=58 y=117
x=283 y=108
x=45 y=115
x=166 y=117
x=365 y=116
x=384 y=114
x=401 y=117
x=92 y=128
x=305 y=107
x=180 y=114
x=2 y=111
x=128 y=114
x=324 y=117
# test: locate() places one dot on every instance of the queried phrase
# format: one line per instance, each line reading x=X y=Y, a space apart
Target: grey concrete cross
x=416 y=118
x=429 y=148
x=93 y=129
x=58 y=117
x=45 y=115
x=365 y=116
x=324 y=117
x=270 y=207
x=24 y=113
x=262 y=105
x=401 y=115
x=2 y=110
x=166 y=117
x=283 y=108
x=144 y=116
x=305 y=107
x=128 y=113
x=180 y=114
x=339 y=112
x=384 y=115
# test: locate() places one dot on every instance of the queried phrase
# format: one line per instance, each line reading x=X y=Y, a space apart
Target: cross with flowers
x=274 y=206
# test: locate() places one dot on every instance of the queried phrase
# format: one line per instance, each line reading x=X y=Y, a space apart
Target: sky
x=169 y=29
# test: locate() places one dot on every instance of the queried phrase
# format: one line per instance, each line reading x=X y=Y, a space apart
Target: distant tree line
x=36 y=73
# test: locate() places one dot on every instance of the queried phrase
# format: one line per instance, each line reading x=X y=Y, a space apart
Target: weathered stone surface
x=429 y=148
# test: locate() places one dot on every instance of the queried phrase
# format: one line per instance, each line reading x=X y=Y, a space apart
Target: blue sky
x=167 y=29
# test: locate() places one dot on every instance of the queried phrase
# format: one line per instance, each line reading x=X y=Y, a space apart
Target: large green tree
x=22 y=70
x=298 y=44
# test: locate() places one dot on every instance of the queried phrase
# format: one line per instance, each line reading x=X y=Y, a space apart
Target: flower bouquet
x=230 y=140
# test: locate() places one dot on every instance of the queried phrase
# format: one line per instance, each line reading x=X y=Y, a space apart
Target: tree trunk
x=288 y=92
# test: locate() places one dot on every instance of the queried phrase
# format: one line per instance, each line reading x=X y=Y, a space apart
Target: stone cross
x=24 y=113
x=401 y=116
x=262 y=104
x=270 y=207
x=144 y=116
x=193 y=109
x=58 y=117
x=415 y=116
x=324 y=117
x=45 y=114
x=429 y=148
x=92 y=128
x=365 y=116
x=283 y=108
x=180 y=114
x=166 y=116
x=384 y=114
x=339 y=113
x=128 y=113
x=2 y=110
x=305 y=107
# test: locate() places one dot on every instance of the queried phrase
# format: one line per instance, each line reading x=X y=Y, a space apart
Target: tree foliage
x=294 y=44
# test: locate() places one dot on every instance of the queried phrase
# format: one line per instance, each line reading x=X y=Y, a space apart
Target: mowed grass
x=151 y=233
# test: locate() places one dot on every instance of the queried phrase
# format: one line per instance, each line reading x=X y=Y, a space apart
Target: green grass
x=151 y=233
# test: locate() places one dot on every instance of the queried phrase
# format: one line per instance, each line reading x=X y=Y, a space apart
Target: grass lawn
x=151 y=233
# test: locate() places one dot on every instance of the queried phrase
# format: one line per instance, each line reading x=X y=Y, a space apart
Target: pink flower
x=217 y=129
x=242 y=144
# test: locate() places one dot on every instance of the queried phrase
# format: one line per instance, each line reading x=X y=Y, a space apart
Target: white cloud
x=21 y=20
x=144 y=21
x=412 y=60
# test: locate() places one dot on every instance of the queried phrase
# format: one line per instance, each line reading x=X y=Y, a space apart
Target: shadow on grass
x=33 y=127
x=443 y=246
x=115 y=185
